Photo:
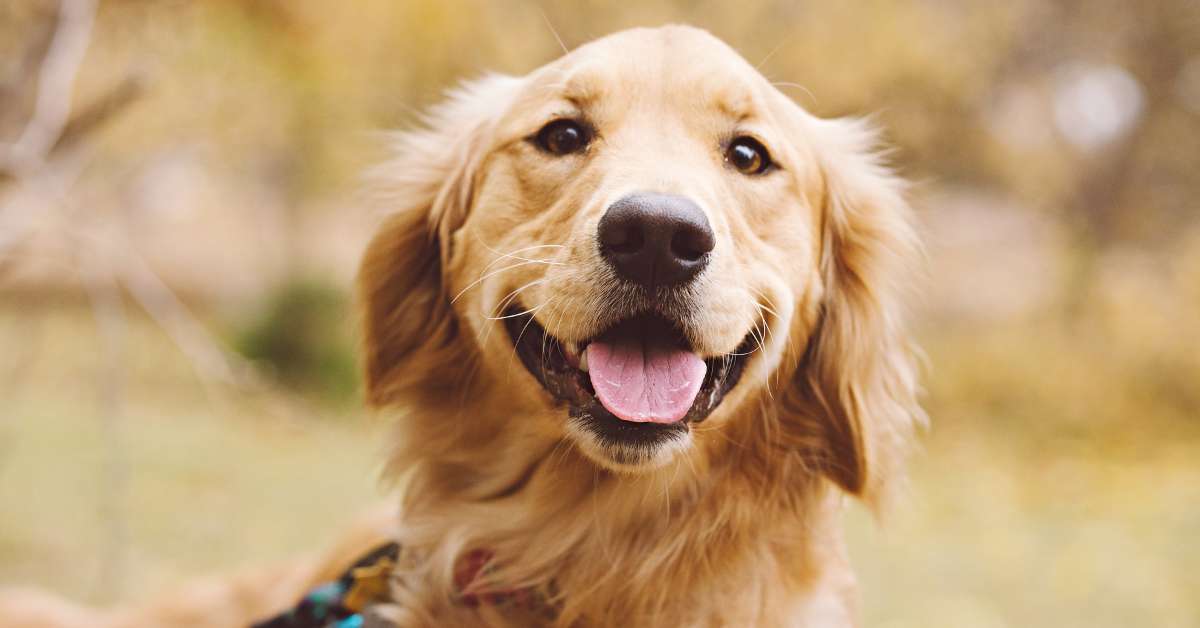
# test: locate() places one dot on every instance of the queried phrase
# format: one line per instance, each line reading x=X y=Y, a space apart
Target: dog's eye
x=748 y=155
x=563 y=137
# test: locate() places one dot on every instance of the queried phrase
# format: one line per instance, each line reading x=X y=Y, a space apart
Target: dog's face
x=637 y=222
x=661 y=245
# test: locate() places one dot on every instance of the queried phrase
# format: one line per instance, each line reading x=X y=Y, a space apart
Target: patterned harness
x=346 y=602
x=343 y=602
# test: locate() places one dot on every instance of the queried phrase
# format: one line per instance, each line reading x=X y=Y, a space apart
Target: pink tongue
x=643 y=380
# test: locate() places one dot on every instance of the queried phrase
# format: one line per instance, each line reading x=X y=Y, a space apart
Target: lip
x=556 y=368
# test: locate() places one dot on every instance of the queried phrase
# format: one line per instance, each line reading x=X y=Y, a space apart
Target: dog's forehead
x=671 y=62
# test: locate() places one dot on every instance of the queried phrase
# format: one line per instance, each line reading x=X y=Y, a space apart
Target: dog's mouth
x=637 y=383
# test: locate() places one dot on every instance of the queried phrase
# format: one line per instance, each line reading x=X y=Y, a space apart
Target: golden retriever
x=641 y=318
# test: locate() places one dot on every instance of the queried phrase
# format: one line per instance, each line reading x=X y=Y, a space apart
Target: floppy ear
x=427 y=191
x=857 y=378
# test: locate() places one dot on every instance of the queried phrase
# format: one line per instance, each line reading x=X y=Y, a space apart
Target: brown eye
x=563 y=137
x=748 y=155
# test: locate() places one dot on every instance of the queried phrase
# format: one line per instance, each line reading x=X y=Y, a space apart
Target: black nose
x=655 y=239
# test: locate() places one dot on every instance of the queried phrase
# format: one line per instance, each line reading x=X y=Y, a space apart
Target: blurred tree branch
x=28 y=162
x=97 y=113
x=56 y=81
x=31 y=165
x=104 y=292
x=51 y=128
x=36 y=178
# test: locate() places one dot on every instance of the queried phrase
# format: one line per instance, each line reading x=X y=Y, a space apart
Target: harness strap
x=340 y=604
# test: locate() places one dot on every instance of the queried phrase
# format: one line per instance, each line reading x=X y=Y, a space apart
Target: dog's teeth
x=583 y=362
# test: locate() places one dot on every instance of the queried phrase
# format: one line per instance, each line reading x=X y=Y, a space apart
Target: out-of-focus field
x=177 y=384
x=1012 y=518
x=184 y=482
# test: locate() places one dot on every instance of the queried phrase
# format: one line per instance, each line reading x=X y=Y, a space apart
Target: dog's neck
x=752 y=547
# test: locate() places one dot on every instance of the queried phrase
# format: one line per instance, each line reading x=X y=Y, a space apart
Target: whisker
x=789 y=342
x=770 y=54
x=500 y=307
x=799 y=87
x=762 y=346
x=752 y=349
x=524 y=248
x=562 y=312
x=527 y=323
x=513 y=254
x=764 y=308
x=524 y=328
x=768 y=306
x=571 y=307
x=491 y=274
x=531 y=310
x=535 y=260
x=546 y=18
x=511 y=296
x=766 y=327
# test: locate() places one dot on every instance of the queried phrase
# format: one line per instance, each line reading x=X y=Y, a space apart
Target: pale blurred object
x=1001 y=261
x=1096 y=105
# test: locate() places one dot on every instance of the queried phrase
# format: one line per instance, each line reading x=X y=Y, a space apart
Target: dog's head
x=646 y=250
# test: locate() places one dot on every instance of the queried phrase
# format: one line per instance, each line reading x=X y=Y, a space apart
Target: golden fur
x=738 y=525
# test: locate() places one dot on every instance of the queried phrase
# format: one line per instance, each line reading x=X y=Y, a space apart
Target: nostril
x=690 y=245
x=628 y=239
x=621 y=231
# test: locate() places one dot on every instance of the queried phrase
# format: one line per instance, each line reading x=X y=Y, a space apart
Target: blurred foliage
x=967 y=90
x=1088 y=112
x=1055 y=147
x=302 y=338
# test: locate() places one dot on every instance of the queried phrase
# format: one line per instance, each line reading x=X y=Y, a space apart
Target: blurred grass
x=999 y=532
x=1059 y=486
x=1031 y=503
x=208 y=478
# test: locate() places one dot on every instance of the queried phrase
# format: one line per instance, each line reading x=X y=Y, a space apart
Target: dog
x=641 y=319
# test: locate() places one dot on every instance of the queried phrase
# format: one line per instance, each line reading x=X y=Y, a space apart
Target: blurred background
x=179 y=227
